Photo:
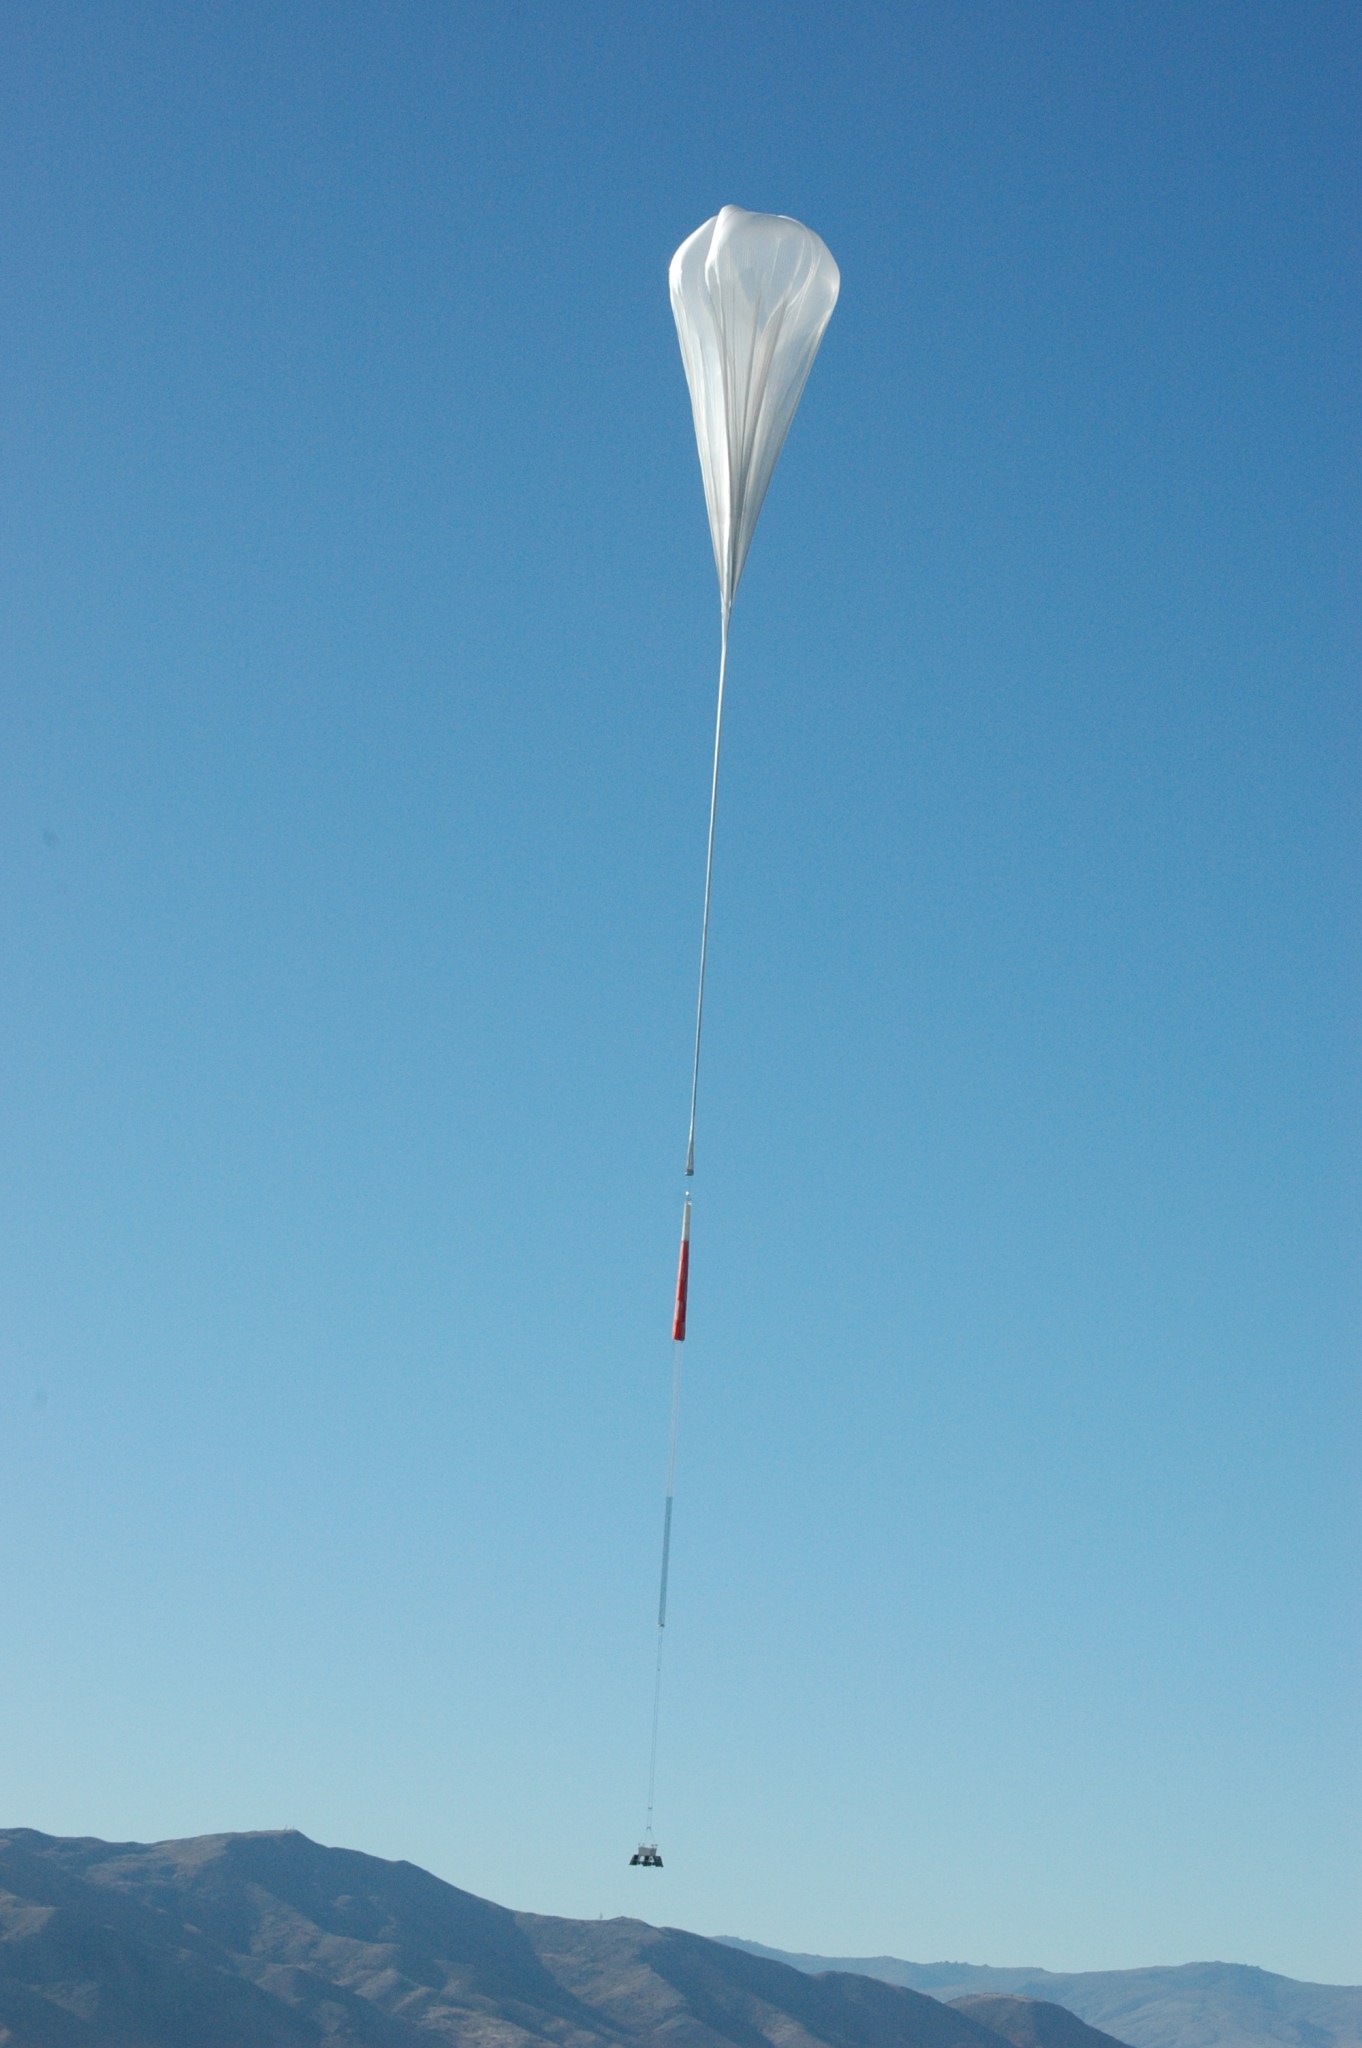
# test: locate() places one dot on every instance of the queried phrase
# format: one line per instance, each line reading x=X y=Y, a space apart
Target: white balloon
x=751 y=295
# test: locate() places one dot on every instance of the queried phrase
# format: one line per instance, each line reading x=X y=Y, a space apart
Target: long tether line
x=662 y=1592
x=679 y=1319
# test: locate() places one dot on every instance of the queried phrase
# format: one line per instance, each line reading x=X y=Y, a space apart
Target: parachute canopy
x=751 y=294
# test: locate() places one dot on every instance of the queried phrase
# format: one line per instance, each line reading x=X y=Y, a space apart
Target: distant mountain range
x=1200 y=2005
x=271 y=1941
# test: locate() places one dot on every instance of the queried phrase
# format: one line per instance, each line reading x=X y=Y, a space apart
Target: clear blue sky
x=359 y=637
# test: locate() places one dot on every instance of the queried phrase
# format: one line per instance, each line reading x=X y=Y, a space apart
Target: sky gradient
x=359 y=631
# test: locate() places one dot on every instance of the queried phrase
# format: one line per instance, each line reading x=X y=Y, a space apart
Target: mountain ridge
x=1033 y=2022
x=273 y=1941
x=270 y=1940
x=1185 y=2005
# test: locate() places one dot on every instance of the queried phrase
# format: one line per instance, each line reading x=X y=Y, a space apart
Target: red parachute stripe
x=682 y=1281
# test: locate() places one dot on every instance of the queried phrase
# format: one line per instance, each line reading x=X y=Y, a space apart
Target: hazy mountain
x=270 y=1941
x=1200 y=2005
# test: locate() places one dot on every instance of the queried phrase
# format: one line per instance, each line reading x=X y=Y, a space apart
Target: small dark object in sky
x=649 y=1855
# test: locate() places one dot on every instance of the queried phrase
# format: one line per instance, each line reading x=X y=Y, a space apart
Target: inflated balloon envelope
x=752 y=294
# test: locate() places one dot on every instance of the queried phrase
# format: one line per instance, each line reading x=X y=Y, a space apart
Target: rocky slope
x=1033 y=2023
